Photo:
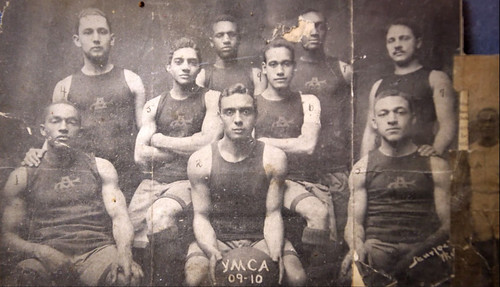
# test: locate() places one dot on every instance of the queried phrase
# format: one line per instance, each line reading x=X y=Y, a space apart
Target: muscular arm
x=370 y=135
x=135 y=85
x=306 y=142
x=13 y=218
x=259 y=81
x=199 y=166
x=276 y=168
x=62 y=89
x=346 y=70
x=445 y=104
x=145 y=153
x=201 y=78
x=354 y=230
x=210 y=131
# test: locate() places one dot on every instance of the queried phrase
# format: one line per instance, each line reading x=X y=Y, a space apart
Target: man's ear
x=42 y=130
x=374 y=124
x=413 y=119
x=419 y=43
x=76 y=41
x=211 y=41
x=167 y=68
x=112 y=41
x=263 y=65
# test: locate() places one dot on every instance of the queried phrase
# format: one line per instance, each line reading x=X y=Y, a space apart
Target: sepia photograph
x=233 y=143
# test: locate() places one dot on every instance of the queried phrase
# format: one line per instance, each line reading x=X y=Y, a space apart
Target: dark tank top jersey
x=178 y=118
x=284 y=119
x=220 y=79
x=107 y=107
x=238 y=194
x=400 y=202
x=417 y=85
x=325 y=80
x=66 y=206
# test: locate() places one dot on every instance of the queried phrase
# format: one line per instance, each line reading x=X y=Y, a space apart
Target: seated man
x=399 y=203
x=79 y=231
x=237 y=192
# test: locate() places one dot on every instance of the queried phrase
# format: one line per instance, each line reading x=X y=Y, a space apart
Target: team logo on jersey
x=66 y=183
x=400 y=182
x=99 y=104
x=281 y=126
x=314 y=84
x=180 y=127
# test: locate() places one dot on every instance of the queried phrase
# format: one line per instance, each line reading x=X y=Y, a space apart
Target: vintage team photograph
x=227 y=143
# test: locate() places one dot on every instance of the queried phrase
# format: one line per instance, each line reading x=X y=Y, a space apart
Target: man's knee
x=31 y=272
x=196 y=266
x=295 y=274
x=313 y=211
x=163 y=214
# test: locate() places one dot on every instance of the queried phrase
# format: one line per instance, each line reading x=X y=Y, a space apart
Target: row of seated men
x=280 y=138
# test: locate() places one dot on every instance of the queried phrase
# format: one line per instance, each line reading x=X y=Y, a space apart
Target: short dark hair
x=394 y=93
x=487 y=110
x=46 y=110
x=183 y=43
x=414 y=27
x=225 y=18
x=277 y=43
x=87 y=12
x=237 y=89
x=312 y=10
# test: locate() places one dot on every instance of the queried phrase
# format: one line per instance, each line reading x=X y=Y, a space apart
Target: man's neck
x=92 y=69
x=397 y=148
x=273 y=94
x=316 y=55
x=181 y=92
x=59 y=157
x=235 y=150
x=408 y=68
x=225 y=63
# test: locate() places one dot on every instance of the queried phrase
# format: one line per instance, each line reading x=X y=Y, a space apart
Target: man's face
x=184 y=66
x=94 y=38
x=315 y=32
x=225 y=39
x=401 y=44
x=488 y=123
x=279 y=67
x=61 y=126
x=238 y=116
x=392 y=118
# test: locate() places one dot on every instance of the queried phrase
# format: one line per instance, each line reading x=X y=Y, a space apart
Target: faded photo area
x=227 y=142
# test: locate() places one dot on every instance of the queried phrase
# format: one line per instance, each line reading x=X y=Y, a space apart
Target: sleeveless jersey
x=66 y=208
x=178 y=118
x=325 y=80
x=284 y=119
x=484 y=170
x=219 y=79
x=238 y=194
x=400 y=202
x=417 y=85
x=107 y=107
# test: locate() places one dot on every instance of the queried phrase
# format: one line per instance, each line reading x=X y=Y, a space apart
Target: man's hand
x=32 y=157
x=281 y=266
x=427 y=150
x=358 y=255
x=213 y=263
x=54 y=260
x=125 y=271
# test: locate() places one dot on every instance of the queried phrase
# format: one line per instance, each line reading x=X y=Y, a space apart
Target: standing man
x=174 y=125
x=400 y=204
x=237 y=195
x=228 y=69
x=484 y=178
x=109 y=98
x=75 y=216
x=432 y=92
x=291 y=121
x=329 y=79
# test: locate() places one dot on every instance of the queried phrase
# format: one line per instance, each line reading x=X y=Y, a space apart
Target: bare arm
x=445 y=104
x=13 y=218
x=346 y=70
x=210 y=131
x=123 y=231
x=145 y=153
x=199 y=166
x=370 y=135
x=62 y=89
x=136 y=86
x=306 y=142
x=201 y=78
x=276 y=167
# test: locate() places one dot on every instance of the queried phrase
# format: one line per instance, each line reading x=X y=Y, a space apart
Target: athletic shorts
x=90 y=269
x=148 y=192
x=484 y=211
